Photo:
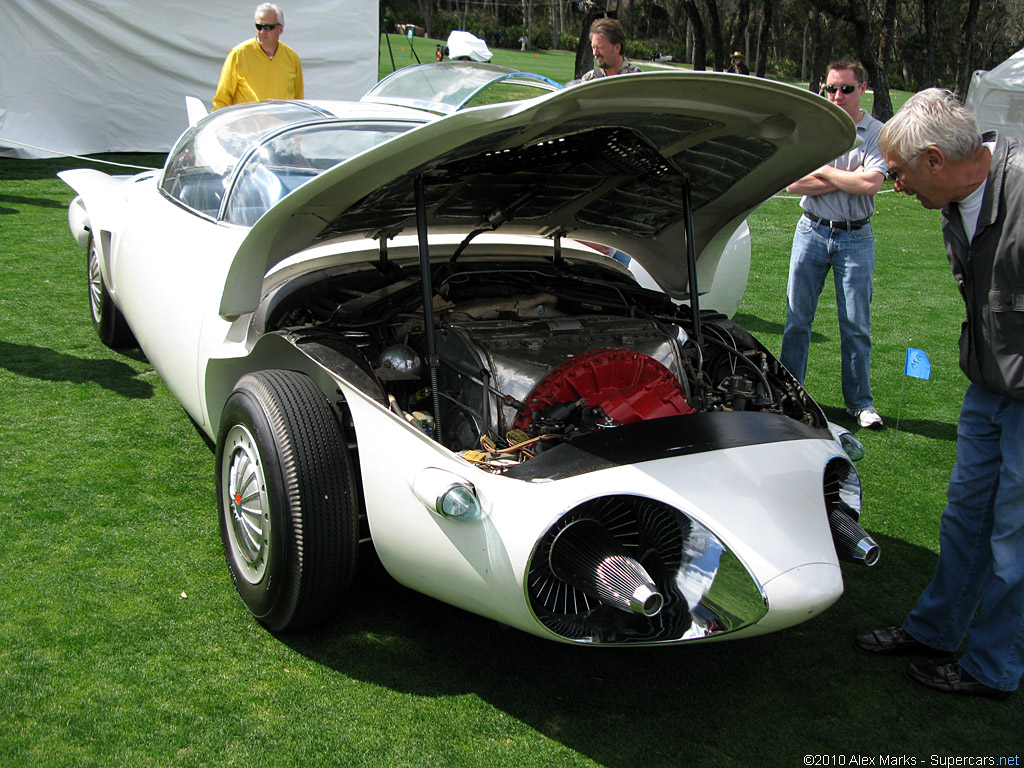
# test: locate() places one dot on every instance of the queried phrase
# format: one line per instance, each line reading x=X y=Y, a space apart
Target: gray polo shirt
x=842 y=206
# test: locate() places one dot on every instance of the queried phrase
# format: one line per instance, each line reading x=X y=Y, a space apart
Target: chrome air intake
x=853 y=543
x=587 y=557
x=841 y=485
x=621 y=569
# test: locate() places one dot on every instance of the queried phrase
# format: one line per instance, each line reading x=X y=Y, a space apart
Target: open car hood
x=605 y=161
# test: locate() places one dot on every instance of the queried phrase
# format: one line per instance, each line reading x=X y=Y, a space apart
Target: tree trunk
x=803 y=51
x=427 y=11
x=584 y=54
x=966 y=69
x=818 y=51
x=857 y=14
x=762 y=38
x=700 y=53
x=554 y=27
x=717 y=46
x=528 y=19
x=740 y=20
x=885 y=35
x=867 y=53
x=931 y=35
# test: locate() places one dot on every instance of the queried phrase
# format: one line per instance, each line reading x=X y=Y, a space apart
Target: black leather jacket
x=990 y=273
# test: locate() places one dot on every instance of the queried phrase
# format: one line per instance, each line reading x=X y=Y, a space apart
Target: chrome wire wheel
x=246 y=505
x=95 y=284
x=287 y=500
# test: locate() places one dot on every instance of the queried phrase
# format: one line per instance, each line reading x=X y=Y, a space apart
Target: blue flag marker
x=917 y=364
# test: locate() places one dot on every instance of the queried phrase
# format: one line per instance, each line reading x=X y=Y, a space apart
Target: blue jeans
x=851 y=256
x=981 y=546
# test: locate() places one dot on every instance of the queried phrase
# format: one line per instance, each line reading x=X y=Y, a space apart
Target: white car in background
x=389 y=326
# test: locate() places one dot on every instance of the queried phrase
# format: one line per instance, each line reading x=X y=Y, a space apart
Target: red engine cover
x=629 y=386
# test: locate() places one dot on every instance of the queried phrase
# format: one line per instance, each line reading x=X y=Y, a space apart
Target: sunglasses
x=847 y=89
x=894 y=173
x=268 y=27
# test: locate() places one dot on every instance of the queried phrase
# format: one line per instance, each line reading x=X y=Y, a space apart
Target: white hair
x=274 y=8
x=932 y=118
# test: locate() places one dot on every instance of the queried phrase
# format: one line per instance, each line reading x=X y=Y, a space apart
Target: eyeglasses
x=894 y=173
x=847 y=89
x=268 y=27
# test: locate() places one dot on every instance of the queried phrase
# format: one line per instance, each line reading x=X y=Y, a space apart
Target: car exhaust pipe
x=587 y=557
x=853 y=544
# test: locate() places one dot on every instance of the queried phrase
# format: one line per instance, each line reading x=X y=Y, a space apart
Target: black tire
x=286 y=492
x=107 y=319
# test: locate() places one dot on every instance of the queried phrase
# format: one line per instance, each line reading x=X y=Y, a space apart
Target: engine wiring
x=728 y=371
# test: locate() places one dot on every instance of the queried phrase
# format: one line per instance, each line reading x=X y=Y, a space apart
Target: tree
x=856 y=13
x=528 y=18
x=700 y=51
x=963 y=80
x=931 y=33
x=715 y=24
x=584 y=53
x=738 y=23
x=761 y=67
x=426 y=8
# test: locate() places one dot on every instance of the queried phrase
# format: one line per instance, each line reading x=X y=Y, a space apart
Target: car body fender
x=98 y=212
x=481 y=566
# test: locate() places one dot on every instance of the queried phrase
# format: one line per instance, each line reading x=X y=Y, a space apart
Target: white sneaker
x=868 y=417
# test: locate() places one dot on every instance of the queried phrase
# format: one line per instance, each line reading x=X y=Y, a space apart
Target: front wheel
x=107 y=319
x=287 y=500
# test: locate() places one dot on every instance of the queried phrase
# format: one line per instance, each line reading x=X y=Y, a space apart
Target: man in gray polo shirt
x=835 y=232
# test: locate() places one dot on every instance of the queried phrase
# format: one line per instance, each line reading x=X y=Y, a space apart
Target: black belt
x=849 y=226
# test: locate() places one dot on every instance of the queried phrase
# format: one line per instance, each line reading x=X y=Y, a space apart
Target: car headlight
x=446 y=494
x=853 y=447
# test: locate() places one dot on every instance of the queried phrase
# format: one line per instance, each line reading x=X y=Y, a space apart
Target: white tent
x=464 y=44
x=83 y=76
x=996 y=97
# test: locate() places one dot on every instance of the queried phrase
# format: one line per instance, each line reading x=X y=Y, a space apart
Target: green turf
x=122 y=641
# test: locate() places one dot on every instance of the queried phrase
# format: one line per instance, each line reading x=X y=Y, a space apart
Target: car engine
x=531 y=354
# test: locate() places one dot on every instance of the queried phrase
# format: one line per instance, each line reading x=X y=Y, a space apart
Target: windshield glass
x=202 y=161
x=447 y=87
x=289 y=159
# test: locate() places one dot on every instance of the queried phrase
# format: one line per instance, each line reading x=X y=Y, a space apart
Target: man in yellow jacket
x=261 y=68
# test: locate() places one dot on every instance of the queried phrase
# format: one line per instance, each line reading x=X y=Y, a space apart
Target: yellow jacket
x=249 y=74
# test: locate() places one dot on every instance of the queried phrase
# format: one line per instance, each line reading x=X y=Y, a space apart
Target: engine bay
x=529 y=353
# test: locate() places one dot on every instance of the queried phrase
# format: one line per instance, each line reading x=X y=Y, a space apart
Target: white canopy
x=464 y=44
x=84 y=76
x=997 y=97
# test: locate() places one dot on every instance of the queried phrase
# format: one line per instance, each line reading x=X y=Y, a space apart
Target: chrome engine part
x=489 y=370
x=587 y=557
x=841 y=485
x=631 y=569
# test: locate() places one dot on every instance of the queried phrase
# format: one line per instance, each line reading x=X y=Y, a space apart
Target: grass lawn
x=122 y=641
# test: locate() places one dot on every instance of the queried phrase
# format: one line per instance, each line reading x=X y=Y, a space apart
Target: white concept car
x=399 y=333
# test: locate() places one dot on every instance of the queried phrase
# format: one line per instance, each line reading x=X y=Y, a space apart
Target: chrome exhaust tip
x=587 y=557
x=853 y=544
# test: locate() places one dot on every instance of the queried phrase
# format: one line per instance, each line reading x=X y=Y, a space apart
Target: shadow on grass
x=800 y=690
x=759 y=326
x=932 y=429
x=48 y=365
x=39 y=202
